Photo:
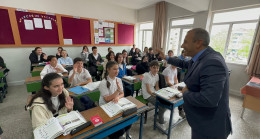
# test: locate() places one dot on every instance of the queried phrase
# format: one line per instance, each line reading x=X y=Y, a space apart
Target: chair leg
x=242 y=113
x=145 y=117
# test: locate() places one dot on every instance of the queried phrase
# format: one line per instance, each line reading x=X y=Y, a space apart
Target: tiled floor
x=16 y=123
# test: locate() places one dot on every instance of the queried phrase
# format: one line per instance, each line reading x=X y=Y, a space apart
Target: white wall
x=228 y=4
x=98 y=9
x=17 y=59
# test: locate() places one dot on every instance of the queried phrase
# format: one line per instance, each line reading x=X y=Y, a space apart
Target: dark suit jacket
x=93 y=61
x=206 y=103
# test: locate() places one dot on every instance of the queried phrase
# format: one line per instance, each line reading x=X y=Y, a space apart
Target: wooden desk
x=169 y=104
x=33 y=84
x=38 y=65
x=36 y=71
x=252 y=95
x=110 y=125
x=135 y=84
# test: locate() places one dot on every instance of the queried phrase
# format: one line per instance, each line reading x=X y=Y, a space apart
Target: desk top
x=38 y=64
x=107 y=121
x=252 y=87
x=37 y=69
x=38 y=78
x=138 y=79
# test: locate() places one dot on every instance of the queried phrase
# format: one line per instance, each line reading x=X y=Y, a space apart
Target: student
x=58 y=54
x=2 y=63
x=37 y=56
x=132 y=50
x=65 y=60
x=84 y=54
x=143 y=66
x=170 y=54
x=145 y=52
x=122 y=66
x=125 y=56
x=150 y=84
x=170 y=75
x=111 y=89
x=109 y=49
x=52 y=67
x=94 y=60
x=151 y=55
x=126 y=61
x=136 y=57
x=79 y=75
x=51 y=101
x=183 y=57
x=109 y=57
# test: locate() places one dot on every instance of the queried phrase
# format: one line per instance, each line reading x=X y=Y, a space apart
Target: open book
x=62 y=124
x=113 y=109
x=169 y=92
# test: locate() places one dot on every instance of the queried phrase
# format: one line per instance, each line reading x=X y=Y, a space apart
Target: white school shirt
x=49 y=69
x=150 y=79
x=55 y=104
x=104 y=91
x=79 y=77
x=96 y=56
x=170 y=73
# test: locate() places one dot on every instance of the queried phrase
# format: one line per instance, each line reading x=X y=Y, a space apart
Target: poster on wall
x=28 y=24
x=37 y=22
x=47 y=24
x=104 y=32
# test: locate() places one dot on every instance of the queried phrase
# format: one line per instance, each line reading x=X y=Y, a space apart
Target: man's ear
x=199 y=43
x=46 y=88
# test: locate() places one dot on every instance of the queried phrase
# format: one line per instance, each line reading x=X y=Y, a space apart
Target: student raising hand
x=69 y=103
x=75 y=68
x=118 y=86
x=59 y=70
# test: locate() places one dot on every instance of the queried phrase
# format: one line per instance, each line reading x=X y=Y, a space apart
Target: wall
x=227 y=4
x=17 y=59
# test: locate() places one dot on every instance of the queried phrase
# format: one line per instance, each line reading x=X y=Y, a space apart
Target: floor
x=16 y=123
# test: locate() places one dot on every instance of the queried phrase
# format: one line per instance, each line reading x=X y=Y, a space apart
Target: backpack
x=87 y=102
x=162 y=82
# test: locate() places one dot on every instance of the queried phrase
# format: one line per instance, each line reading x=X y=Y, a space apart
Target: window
x=178 y=31
x=145 y=35
x=232 y=34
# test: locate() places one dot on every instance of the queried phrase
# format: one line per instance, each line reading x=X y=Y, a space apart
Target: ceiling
x=191 y=5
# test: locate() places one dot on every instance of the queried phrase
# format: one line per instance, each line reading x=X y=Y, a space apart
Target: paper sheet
x=28 y=24
x=111 y=25
x=100 y=32
x=96 y=40
x=47 y=24
x=100 y=24
x=105 y=24
x=101 y=39
x=67 y=41
x=38 y=23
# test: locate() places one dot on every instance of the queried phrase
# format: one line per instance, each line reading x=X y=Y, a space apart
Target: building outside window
x=232 y=33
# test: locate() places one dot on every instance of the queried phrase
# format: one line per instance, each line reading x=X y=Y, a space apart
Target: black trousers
x=119 y=133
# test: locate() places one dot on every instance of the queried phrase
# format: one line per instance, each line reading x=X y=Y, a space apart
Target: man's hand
x=184 y=89
x=162 y=55
x=44 y=56
x=98 y=62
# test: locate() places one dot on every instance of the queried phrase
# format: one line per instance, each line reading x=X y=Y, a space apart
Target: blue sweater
x=122 y=72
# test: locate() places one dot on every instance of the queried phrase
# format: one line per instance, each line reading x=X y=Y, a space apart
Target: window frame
x=141 y=31
x=182 y=27
x=230 y=24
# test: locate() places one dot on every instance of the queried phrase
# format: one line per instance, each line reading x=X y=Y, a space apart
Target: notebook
x=92 y=86
x=113 y=109
x=96 y=120
x=62 y=124
x=78 y=90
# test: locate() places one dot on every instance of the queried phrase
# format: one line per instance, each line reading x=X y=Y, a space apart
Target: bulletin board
x=125 y=34
x=35 y=28
x=104 y=32
x=76 y=30
x=6 y=33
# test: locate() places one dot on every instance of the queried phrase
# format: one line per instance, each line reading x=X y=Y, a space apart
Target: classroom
x=147 y=31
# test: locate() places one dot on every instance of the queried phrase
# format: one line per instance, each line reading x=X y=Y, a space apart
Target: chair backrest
x=162 y=82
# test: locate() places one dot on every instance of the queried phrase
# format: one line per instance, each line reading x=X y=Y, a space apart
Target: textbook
x=96 y=120
x=62 y=124
x=113 y=109
x=92 y=86
x=169 y=92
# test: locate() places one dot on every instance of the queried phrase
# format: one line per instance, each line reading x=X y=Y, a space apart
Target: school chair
x=145 y=101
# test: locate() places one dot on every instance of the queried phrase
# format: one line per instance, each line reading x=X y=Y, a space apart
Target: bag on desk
x=87 y=102
x=78 y=105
